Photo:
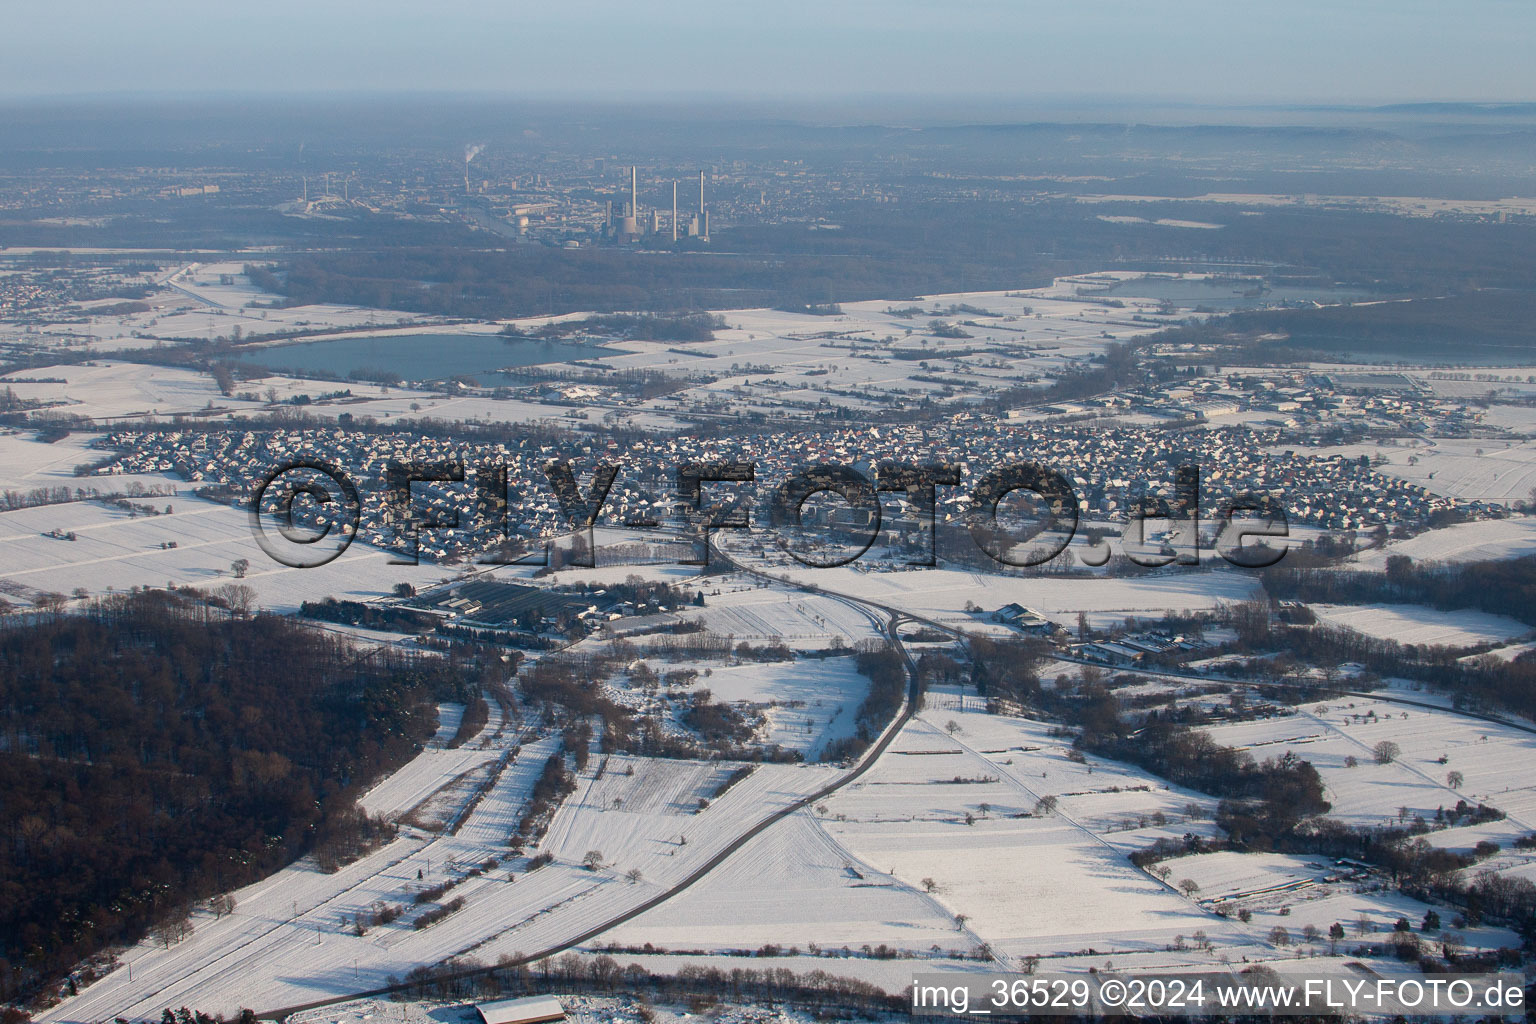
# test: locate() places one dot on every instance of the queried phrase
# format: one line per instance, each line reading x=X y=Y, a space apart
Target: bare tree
x=1190 y=886
x=1386 y=752
x=239 y=597
x=172 y=929
x=1454 y=779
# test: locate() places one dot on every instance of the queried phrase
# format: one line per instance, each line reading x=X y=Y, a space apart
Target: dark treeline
x=1503 y=586
x=554 y=784
x=824 y=995
x=1457 y=328
x=1454 y=329
x=38 y=496
x=356 y=613
x=887 y=683
x=1007 y=669
x=1474 y=683
x=1479 y=684
x=535 y=280
x=475 y=716
x=156 y=751
x=227 y=226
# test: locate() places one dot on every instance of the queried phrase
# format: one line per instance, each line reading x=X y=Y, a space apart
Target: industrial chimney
x=629 y=224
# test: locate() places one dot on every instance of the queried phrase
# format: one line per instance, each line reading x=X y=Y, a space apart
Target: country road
x=909 y=708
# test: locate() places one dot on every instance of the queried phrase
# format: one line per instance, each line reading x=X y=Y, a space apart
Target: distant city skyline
x=1261 y=51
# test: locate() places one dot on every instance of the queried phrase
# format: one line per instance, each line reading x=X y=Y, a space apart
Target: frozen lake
x=419 y=356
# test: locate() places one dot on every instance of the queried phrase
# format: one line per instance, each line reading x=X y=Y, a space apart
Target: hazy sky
x=1210 y=50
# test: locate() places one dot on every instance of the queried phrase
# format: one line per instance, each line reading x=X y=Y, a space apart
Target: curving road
x=908 y=710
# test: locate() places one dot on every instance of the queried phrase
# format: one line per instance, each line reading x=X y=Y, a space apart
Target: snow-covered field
x=942 y=594
x=1464 y=542
x=107 y=390
x=794 y=886
x=1494 y=760
x=196 y=303
x=1027 y=882
x=1296 y=893
x=786 y=364
x=974 y=834
x=114 y=550
x=1416 y=624
x=758 y=613
x=1028 y=334
x=807 y=703
x=1482 y=469
x=27 y=464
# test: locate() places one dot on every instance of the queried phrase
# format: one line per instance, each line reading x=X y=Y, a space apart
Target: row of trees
x=1503 y=586
x=887 y=674
x=701 y=988
x=1473 y=682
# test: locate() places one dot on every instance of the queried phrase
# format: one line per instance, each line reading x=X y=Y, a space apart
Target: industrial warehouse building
x=528 y=1010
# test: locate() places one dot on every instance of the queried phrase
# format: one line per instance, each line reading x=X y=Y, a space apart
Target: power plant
x=628 y=224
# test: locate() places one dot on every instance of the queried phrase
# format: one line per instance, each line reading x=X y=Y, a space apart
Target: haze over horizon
x=1182 y=50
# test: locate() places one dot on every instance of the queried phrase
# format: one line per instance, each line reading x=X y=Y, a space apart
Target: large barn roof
x=528 y=1010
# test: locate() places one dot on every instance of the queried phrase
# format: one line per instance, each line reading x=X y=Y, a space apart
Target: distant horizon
x=723 y=99
x=1372 y=52
x=852 y=111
